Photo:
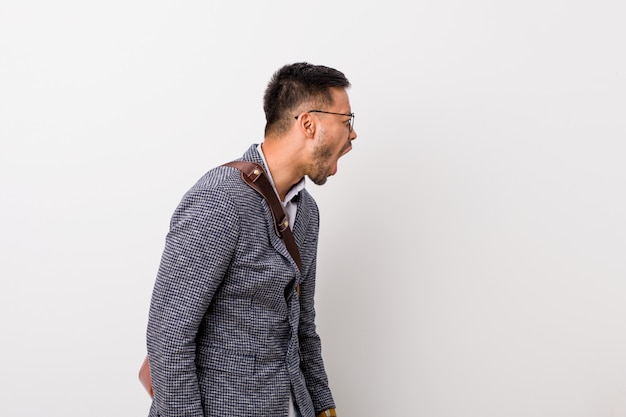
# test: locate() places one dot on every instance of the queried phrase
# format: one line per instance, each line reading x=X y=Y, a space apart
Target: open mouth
x=347 y=149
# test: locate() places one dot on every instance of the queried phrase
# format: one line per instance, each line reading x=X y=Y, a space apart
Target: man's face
x=333 y=138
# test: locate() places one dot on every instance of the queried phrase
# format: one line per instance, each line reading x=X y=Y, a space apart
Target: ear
x=306 y=124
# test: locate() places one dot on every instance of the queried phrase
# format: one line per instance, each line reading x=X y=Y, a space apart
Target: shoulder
x=220 y=177
x=221 y=181
x=219 y=192
x=227 y=179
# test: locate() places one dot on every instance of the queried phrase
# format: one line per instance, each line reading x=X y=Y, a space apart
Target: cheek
x=323 y=151
x=331 y=144
x=340 y=143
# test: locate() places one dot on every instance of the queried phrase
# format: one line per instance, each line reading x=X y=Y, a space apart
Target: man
x=231 y=330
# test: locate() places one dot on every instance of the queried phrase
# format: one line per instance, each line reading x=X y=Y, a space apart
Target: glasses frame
x=350 y=115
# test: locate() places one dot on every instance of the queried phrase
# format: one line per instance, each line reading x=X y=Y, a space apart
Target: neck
x=282 y=164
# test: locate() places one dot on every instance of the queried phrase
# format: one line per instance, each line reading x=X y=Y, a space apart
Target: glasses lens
x=352 y=122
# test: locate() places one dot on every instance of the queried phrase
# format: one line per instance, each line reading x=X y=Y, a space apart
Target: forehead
x=341 y=101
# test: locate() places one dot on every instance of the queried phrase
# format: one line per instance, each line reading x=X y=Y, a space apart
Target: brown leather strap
x=254 y=175
x=331 y=412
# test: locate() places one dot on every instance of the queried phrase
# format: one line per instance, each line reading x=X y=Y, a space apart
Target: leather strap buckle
x=284 y=224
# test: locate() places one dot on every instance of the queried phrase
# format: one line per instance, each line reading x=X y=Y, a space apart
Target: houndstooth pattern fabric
x=227 y=335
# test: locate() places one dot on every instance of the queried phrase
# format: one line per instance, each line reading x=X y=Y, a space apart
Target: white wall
x=472 y=250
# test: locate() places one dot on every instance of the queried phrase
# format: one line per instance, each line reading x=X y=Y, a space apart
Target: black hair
x=294 y=85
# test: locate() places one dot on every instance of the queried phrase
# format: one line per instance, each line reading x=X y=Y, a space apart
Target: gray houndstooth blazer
x=227 y=335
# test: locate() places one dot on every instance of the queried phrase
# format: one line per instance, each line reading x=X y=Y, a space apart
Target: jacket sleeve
x=312 y=364
x=198 y=250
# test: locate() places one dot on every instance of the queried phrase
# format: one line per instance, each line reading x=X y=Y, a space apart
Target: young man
x=231 y=330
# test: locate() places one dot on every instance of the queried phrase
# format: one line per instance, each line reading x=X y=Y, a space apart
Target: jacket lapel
x=300 y=223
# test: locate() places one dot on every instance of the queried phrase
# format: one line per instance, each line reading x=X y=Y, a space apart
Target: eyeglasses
x=350 y=115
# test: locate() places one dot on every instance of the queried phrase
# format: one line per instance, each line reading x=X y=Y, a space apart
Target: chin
x=319 y=180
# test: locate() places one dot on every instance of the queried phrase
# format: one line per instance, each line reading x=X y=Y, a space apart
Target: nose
x=352 y=135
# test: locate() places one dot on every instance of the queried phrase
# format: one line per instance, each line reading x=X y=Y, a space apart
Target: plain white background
x=472 y=245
